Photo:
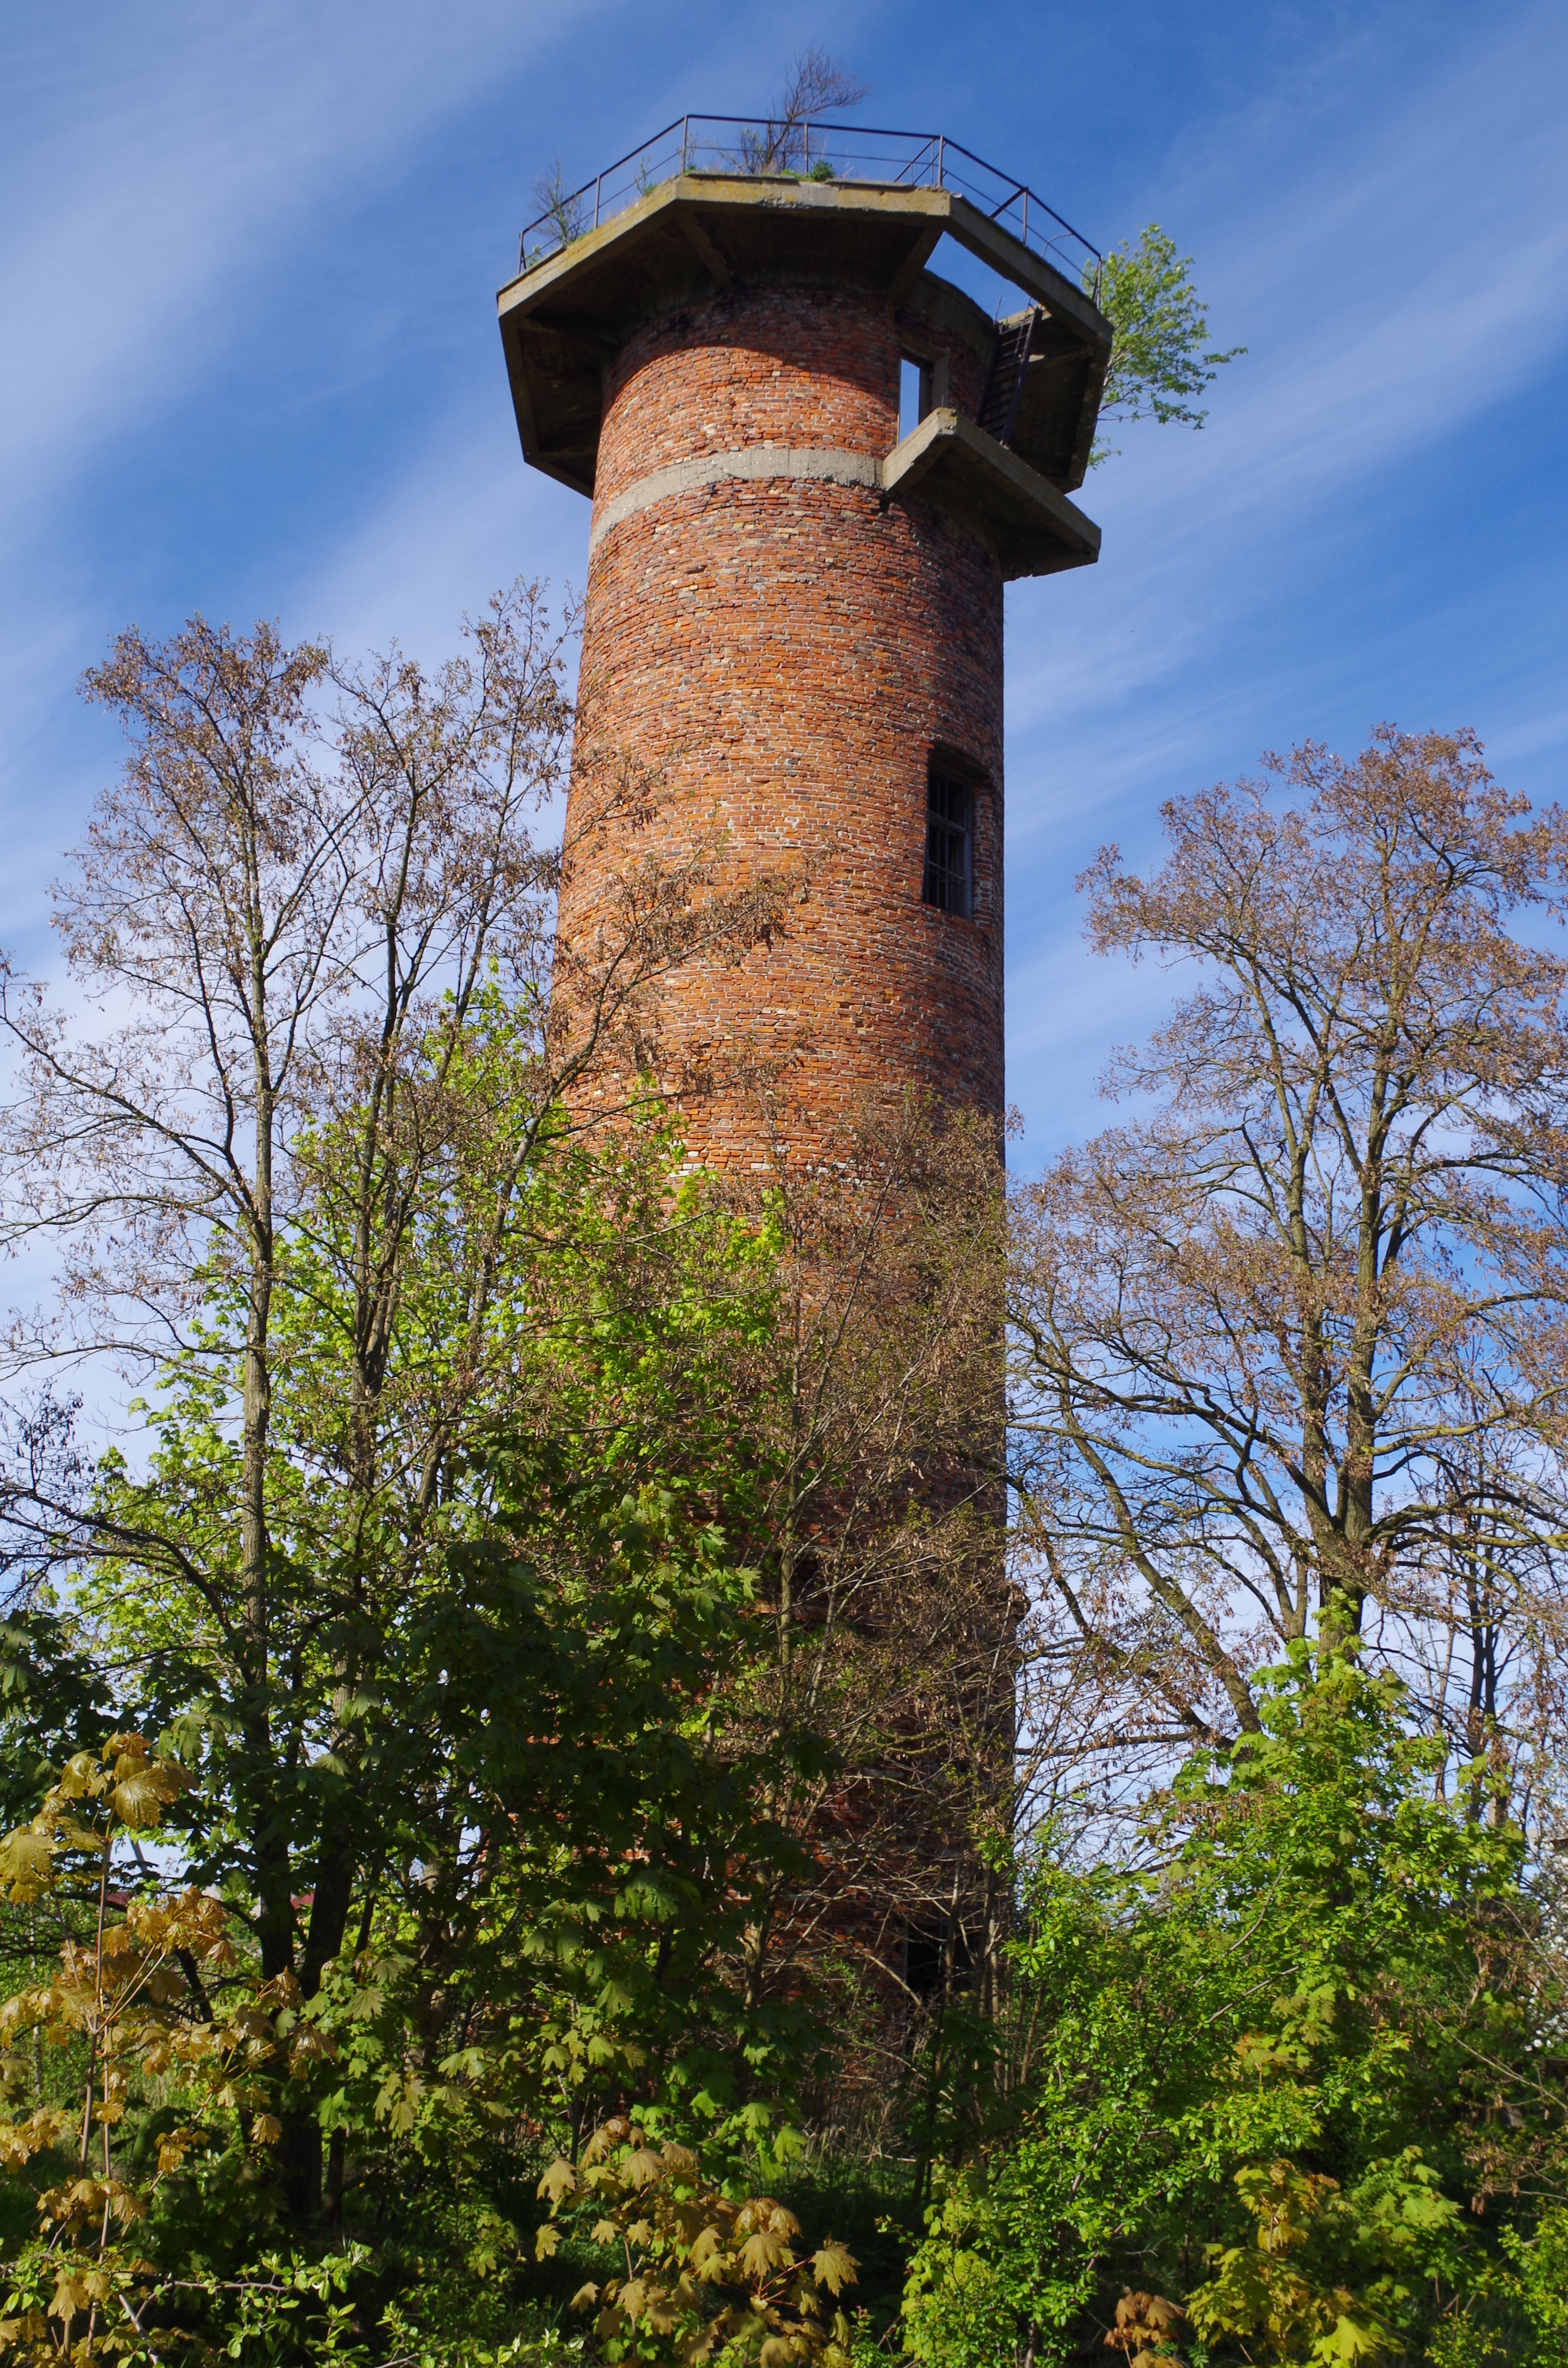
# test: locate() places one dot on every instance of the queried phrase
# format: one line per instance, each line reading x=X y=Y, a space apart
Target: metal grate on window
x=949 y=843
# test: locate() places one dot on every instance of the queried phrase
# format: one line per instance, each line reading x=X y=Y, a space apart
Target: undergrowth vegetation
x=551 y=1812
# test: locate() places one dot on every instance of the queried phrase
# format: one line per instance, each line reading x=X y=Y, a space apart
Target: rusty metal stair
x=999 y=405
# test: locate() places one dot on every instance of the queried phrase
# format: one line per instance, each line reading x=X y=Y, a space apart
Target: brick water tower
x=793 y=616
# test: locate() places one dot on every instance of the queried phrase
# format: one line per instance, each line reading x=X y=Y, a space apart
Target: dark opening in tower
x=950 y=843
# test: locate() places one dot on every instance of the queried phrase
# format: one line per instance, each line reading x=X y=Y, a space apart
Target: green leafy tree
x=696 y=2270
x=1162 y=360
x=1265 y=2073
x=296 y=1176
x=561 y=1822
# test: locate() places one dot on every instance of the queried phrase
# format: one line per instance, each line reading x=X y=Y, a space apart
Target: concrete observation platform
x=1005 y=472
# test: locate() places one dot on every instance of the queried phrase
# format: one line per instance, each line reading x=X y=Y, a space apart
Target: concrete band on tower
x=794 y=616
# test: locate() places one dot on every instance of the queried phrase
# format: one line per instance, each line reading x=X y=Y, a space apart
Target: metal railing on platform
x=813 y=151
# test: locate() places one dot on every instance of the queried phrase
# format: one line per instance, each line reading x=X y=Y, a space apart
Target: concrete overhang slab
x=564 y=318
x=956 y=466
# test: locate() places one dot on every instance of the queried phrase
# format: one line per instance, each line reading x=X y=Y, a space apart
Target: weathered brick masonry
x=793 y=366
x=791 y=615
x=790 y=654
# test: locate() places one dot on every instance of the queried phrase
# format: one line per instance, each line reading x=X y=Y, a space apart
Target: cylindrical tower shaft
x=793 y=635
x=793 y=622
x=800 y=659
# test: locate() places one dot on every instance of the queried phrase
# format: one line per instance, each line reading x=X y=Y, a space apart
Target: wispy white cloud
x=171 y=181
x=460 y=518
x=1387 y=306
x=1387 y=232
x=156 y=170
x=1393 y=256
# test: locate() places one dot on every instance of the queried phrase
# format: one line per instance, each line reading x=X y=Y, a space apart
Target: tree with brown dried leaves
x=817 y=85
x=1289 y=1350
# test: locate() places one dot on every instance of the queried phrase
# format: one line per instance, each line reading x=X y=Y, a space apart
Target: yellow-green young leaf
x=1351 y=2340
x=609 y=2134
x=559 y=2180
x=19 y=2140
x=397 y=2101
x=31 y=2328
x=660 y=2310
x=762 y=2212
x=835 y=2267
x=27 y=1864
x=145 y=1791
x=73 y=2294
x=80 y=1776
x=763 y=2253
x=309 y=2045
x=71 y=1835
x=22 y=2012
x=174 y=2146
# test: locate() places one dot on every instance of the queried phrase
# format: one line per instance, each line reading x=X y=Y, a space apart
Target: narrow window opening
x=923 y=1959
x=932 y=1950
x=949 y=843
x=914 y=395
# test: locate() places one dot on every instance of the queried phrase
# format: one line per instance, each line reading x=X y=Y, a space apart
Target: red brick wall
x=782 y=366
x=788 y=653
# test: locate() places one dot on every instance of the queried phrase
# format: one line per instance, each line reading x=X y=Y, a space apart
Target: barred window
x=949 y=843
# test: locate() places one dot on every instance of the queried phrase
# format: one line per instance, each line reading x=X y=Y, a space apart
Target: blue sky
x=250 y=365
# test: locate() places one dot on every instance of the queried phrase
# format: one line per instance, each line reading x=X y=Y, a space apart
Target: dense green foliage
x=1291 y=2074
x=1287 y=2086
x=552 y=1816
